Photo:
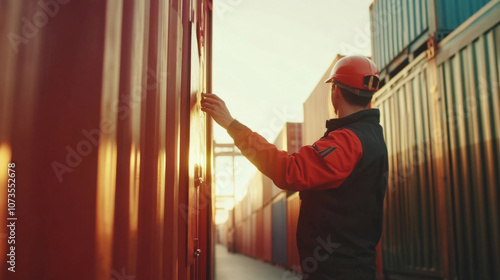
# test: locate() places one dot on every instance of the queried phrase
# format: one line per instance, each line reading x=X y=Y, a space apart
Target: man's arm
x=324 y=165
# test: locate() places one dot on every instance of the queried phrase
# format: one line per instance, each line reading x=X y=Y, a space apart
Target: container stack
x=440 y=112
x=262 y=227
x=401 y=29
x=318 y=108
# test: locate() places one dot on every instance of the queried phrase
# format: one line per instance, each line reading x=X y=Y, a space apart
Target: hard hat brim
x=356 y=91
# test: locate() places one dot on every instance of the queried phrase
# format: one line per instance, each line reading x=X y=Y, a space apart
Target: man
x=341 y=178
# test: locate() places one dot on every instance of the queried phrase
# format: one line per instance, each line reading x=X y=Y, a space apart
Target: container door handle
x=197 y=253
x=198 y=175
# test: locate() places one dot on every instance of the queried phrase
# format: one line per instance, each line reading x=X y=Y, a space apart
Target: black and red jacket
x=342 y=180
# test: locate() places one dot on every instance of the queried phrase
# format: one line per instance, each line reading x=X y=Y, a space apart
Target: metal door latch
x=197 y=253
x=198 y=176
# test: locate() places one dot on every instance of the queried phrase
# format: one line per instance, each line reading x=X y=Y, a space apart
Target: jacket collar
x=368 y=115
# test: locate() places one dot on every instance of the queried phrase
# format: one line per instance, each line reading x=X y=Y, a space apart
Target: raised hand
x=216 y=108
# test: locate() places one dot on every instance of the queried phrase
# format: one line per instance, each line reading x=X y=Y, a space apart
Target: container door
x=197 y=163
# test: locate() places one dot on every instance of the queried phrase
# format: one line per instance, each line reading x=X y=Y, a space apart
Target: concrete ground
x=229 y=266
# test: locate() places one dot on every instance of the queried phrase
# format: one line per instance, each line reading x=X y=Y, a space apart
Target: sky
x=268 y=55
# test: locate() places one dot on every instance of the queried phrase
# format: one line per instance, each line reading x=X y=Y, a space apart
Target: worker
x=342 y=177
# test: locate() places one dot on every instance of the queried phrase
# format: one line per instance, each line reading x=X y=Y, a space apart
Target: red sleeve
x=324 y=165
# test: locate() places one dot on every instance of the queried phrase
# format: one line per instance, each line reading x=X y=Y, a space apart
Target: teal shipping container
x=400 y=29
x=279 y=230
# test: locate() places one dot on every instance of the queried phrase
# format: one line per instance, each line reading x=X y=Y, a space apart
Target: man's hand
x=216 y=108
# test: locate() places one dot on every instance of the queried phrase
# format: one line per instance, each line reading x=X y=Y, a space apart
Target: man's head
x=342 y=97
x=354 y=80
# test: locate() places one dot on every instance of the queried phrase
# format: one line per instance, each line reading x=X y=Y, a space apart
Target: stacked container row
x=289 y=139
x=317 y=109
x=441 y=121
x=262 y=226
x=401 y=29
x=292 y=219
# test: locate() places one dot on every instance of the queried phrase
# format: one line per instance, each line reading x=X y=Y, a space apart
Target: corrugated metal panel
x=239 y=238
x=441 y=121
x=397 y=24
x=279 y=229
x=230 y=220
x=255 y=191
x=246 y=208
x=318 y=109
x=231 y=239
x=253 y=235
x=410 y=223
x=238 y=215
x=98 y=71
x=469 y=83
x=294 y=140
x=450 y=14
x=281 y=143
x=246 y=237
x=268 y=234
x=292 y=216
x=394 y=25
x=267 y=189
x=294 y=137
x=249 y=210
x=289 y=139
x=259 y=235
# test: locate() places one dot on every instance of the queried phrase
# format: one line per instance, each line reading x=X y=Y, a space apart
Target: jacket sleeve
x=324 y=165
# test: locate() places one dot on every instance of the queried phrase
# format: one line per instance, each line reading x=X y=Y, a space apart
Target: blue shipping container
x=279 y=228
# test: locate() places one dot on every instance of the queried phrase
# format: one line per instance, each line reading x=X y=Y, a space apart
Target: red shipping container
x=292 y=208
x=239 y=238
x=238 y=216
x=294 y=137
x=253 y=235
x=267 y=189
x=248 y=235
x=248 y=205
x=255 y=191
x=259 y=245
x=281 y=144
x=244 y=232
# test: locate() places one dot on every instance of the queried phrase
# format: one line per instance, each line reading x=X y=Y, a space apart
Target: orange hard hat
x=357 y=74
